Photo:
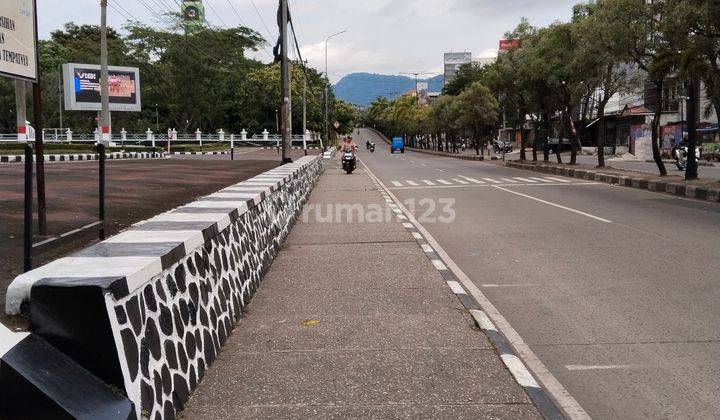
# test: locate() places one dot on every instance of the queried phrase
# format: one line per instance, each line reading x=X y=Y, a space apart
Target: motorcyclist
x=367 y=144
x=348 y=145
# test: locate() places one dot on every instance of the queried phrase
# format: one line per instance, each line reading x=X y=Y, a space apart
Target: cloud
x=384 y=36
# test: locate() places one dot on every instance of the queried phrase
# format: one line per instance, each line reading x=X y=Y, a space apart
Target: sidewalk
x=354 y=321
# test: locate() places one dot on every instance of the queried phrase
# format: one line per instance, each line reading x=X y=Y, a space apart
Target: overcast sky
x=383 y=36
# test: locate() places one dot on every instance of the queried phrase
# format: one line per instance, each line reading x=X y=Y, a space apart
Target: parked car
x=502 y=146
x=552 y=144
x=397 y=144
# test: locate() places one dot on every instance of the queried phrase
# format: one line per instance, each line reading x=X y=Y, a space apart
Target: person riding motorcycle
x=348 y=145
x=367 y=144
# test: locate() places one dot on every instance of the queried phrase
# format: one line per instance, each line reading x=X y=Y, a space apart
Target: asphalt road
x=615 y=290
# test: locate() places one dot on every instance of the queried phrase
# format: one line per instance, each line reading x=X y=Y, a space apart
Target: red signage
x=507 y=44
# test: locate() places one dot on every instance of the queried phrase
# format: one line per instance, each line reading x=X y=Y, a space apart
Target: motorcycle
x=348 y=162
x=372 y=148
x=680 y=155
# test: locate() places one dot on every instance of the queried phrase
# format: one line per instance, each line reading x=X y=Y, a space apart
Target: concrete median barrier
x=147 y=310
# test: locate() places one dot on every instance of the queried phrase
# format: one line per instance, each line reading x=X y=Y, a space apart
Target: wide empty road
x=615 y=290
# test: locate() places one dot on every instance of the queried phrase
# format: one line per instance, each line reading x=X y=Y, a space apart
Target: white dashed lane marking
x=460 y=181
x=557 y=179
x=494 y=181
x=412 y=183
x=524 y=179
x=442 y=181
x=396 y=183
x=428 y=182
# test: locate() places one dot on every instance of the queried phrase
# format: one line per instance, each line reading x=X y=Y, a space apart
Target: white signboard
x=17 y=39
x=82 y=88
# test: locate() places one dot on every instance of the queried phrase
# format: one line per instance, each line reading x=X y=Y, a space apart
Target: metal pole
x=28 y=237
x=286 y=104
x=326 y=127
x=39 y=143
x=304 y=115
x=60 y=97
x=20 y=109
x=104 y=82
x=691 y=170
x=101 y=189
x=157 y=119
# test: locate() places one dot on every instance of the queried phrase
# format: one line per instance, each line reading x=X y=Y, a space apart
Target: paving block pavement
x=354 y=321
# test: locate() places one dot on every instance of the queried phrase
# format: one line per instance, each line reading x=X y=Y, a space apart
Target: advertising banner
x=18 y=58
x=82 y=88
x=422 y=92
x=507 y=44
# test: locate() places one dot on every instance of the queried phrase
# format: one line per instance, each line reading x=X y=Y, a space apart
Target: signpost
x=18 y=55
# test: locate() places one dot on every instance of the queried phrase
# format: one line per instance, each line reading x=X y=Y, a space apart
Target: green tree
x=477 y=108
x=466 y=76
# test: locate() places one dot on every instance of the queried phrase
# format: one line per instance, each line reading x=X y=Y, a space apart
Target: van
x=397 y=144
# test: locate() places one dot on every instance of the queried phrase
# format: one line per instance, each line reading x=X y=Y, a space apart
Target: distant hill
x=362 y=88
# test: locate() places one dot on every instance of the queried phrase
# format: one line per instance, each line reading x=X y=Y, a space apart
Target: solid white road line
x=523 y=179
x=493 y=181
x=566 y=401
x=397 y=184
x=599 y=219
x=460 y=181
x=428 y=182
x=442 y=181
x=598 y=367
x=557 y=179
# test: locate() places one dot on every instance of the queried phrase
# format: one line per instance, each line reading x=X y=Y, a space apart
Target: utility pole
x=286 y=105
x=104 y=82
x=691 y=170
x=60 y=97
x=326 y=127
x=304 y=110
x=39 y=143
x=416 y=74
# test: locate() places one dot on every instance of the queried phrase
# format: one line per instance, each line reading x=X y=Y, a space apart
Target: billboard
x=422 y=93
x=82 y=88
x=17 y=40
x=507 y=44
x=453 y=61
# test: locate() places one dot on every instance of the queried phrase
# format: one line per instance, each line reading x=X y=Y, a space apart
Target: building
x=453 y=61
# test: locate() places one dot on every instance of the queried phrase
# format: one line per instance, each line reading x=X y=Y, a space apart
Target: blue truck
x=397 y=144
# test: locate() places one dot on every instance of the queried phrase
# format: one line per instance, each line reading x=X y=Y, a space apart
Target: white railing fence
x=149 y=138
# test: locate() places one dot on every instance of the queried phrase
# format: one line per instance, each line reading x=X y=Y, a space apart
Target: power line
x=236 y=13
x=216 y=14
x=269 y=32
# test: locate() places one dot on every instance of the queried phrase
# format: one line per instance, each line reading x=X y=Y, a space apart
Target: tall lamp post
x=327 y=110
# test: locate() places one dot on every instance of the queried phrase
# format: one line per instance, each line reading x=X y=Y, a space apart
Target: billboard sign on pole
x=82 y=88
x=18 y=57
x=508 y=44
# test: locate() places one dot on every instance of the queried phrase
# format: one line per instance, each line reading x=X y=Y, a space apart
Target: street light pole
x=104 y=82
x=326 y=128
x=286 y=104
x=157 y=119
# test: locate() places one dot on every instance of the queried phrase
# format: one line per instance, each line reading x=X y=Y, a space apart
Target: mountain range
x=363 y=88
